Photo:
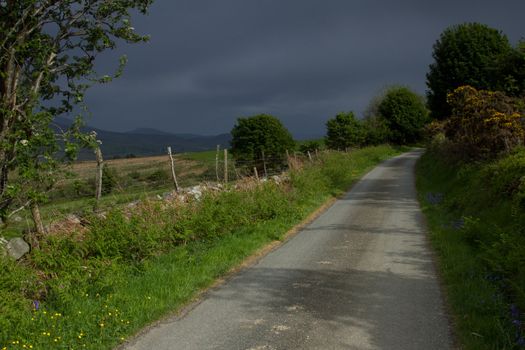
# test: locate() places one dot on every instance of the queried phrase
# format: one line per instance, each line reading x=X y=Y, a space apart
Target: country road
x=361 y=276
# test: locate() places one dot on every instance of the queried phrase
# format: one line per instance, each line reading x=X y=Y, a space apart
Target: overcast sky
x=211 y=61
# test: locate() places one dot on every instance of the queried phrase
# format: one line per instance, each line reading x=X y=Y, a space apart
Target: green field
x=131 y=179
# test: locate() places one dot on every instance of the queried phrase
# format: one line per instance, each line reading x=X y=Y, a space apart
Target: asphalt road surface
x=361 y=276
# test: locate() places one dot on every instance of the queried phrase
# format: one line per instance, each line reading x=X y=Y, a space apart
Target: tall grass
x=476 y=215
x=94 y=288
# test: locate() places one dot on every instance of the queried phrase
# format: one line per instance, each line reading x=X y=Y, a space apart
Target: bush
x=109 y=179
x=507 y=176
x=484 y=124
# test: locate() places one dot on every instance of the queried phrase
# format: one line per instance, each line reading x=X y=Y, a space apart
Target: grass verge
x=476 y=219
x=93 y=289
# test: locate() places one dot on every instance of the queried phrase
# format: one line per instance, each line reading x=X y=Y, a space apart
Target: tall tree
x=344 y=131
x=404 y=113
x=47 y=55
x=511 y=71
x=465 y=54
x=257 y=134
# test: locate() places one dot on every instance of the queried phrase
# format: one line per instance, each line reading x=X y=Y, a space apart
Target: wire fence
x=154 y=174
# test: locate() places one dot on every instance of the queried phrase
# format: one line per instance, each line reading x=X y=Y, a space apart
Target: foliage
x=478 y=231
x=484 y=123
x=46 y=64
x=310 y=146
x=109 y=179
x=404 y=113
x=511 y=71
x=343 y=131
x=261 y=133
x=376 y=130
x=465 y=54
x=374 y=125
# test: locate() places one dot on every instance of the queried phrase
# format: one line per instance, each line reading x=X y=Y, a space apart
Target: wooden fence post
x=217 y=162
x=98 y=180
x=225 y=165
x=173 y=175
x=264 y=165
x=256 y=173
x=37 y=218
x=310 y=156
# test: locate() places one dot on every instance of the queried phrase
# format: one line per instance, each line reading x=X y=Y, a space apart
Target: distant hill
x=147 y=131
x=147 y=141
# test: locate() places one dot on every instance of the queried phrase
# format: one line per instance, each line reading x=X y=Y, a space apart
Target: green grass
x=477 y=231
x=64 y=201
x=99 y=287
x=204 y=156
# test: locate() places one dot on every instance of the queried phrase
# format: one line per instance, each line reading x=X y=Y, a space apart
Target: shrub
x=483 y=123
x=109 y=179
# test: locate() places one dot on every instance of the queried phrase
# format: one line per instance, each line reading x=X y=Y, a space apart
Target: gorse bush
x=484 y=124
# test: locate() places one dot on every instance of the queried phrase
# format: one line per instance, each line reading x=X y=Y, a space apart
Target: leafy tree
x=511 y=72
x=374 y=125
x=344 y=131
x=405 y=114
x=261 y=133
x=47 y=58
x=465 y=54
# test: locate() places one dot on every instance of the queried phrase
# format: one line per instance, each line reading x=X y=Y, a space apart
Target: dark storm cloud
x=209 y=62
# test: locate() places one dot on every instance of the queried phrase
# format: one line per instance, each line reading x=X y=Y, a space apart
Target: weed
x=482 y=254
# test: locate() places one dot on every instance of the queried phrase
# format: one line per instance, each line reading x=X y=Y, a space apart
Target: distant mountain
x=147 y=131
x=147 y=141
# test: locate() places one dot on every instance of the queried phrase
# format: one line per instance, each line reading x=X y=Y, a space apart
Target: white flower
x=24 y=142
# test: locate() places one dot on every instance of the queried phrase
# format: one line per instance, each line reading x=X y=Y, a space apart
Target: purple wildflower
x=434 y=198
x=521 y=341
